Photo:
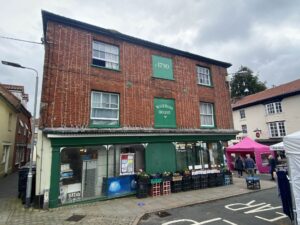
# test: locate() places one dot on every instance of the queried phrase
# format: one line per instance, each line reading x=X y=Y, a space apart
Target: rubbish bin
x=22 y=182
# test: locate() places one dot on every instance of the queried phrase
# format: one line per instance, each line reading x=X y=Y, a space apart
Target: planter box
x=177 y=178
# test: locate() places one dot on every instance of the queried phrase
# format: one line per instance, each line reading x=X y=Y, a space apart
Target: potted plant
x=166 y=176
x=142 y=184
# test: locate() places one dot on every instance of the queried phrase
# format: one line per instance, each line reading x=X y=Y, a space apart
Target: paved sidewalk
x=122 y=211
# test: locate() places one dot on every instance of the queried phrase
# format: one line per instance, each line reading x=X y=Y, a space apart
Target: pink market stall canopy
x=257 y=151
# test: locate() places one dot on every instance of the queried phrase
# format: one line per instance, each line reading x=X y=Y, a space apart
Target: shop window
x=105 y=109
x=82 y=171
x=105 y=55
x=132 y=159
x=192 y=156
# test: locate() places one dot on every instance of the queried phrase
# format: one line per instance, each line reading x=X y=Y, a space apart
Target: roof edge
x=48 y=16
x=281 y=96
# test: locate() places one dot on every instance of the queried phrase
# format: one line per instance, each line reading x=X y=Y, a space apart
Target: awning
x=277 y=147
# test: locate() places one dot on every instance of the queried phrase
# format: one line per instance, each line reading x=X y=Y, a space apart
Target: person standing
x=249 y=165
x=239 y=166
x=272 y=164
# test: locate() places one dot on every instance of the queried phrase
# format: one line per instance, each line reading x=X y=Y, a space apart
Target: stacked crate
x=219 y=179
x=204 y=180
x=186 y=183
x=196 y=182
x=176 y=185
x=166 y=187
x=155 y=189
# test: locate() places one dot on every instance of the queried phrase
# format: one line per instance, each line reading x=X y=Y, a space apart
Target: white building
x=269 y=115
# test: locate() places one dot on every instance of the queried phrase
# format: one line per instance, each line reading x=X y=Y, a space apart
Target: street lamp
x=29 y=177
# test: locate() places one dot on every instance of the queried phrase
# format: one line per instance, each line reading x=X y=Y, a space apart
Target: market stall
x=257 y=151
x=292 y=148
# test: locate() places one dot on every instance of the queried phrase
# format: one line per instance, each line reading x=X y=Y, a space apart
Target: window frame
x=209 y=79
x=273 y=108
x=277 y=128
x=211 y=115
x=244 y=128
x=107 y=108
x=104 y=59
x=242 y=113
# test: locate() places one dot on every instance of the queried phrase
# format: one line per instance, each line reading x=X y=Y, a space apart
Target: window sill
x=161 y=78
x=104 y=126
x=102 y=67
x=207 y=127
x=204 y=85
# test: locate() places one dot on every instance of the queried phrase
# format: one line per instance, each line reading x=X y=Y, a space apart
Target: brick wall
x=69 y=79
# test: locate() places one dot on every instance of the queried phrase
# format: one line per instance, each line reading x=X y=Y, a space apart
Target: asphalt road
x=257 y=208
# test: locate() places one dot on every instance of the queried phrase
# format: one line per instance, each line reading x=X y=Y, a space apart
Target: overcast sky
x=261 y=34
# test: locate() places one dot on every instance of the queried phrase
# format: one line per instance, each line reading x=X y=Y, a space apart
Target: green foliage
x=245 y=83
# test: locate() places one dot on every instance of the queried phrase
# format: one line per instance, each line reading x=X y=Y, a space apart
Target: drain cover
x=163 y=214
x=75 y=218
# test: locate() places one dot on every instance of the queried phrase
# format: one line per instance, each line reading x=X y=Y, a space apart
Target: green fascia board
x=91 y=141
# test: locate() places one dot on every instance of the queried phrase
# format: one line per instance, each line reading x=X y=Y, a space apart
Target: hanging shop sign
x=164 y=113
x=162 y=67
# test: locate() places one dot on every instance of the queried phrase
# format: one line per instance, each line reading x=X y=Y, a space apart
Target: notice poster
x=127 y=163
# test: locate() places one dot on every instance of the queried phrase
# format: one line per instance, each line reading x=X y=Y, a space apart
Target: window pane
x=106 y=52
x=203 y=75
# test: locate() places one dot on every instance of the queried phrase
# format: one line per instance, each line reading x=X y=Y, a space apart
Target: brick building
x=113 y=104
x=15 y=131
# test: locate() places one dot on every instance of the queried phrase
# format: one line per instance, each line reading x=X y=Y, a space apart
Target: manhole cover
x=163 y=214
x=75 y=218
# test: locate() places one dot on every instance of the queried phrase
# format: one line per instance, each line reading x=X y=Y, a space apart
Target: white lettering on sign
x=161 y=65
x=242 y=206
x=164 y=106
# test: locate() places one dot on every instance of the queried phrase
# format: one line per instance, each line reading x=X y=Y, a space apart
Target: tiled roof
x=9 y=97
x=284 y=90
x=13 y=100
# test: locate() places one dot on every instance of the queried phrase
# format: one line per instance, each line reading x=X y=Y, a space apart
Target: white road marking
x=243 y=205
x=226 y=221
x=193 y=221
x=274 y=219
x=263 y=208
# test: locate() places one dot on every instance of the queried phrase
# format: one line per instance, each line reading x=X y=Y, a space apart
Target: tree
x=245 y=83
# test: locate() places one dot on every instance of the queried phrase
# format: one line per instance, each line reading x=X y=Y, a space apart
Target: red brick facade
x=69 y=78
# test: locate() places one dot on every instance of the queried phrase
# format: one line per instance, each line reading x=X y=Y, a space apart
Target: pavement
x=121 y=211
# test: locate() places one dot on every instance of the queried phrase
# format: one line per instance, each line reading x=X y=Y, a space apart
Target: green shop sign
x=162 y=67
x=164 y=113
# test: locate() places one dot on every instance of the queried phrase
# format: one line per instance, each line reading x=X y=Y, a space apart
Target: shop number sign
x=74 y=196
